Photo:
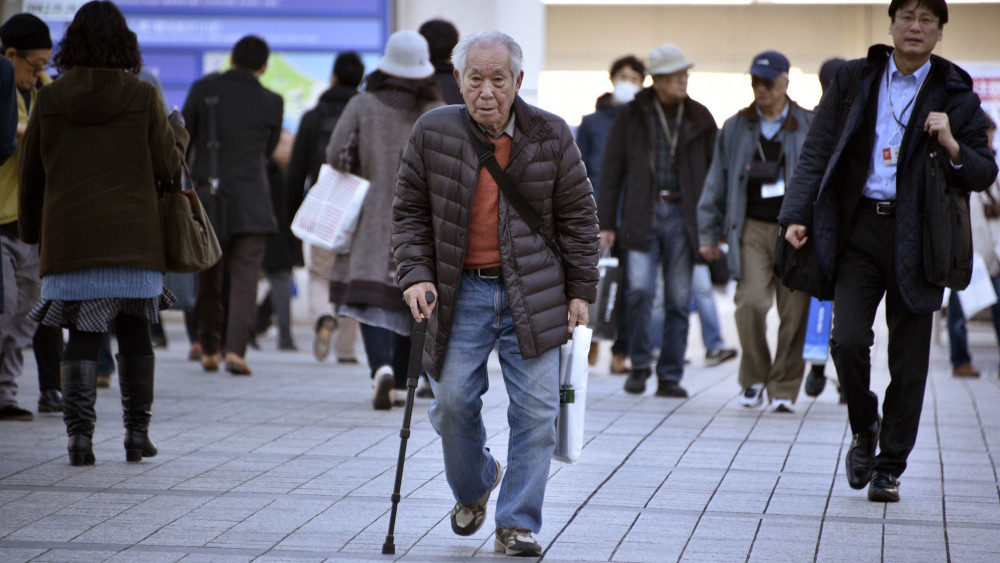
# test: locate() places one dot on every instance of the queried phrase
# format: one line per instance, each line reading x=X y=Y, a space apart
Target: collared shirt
x=509 y=130
x=665 y=170
x=769 y=128
x=896 y=102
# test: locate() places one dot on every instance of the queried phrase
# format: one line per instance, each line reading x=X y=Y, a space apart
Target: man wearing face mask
x=658 y=152
x=756 y=151
x=627 y=74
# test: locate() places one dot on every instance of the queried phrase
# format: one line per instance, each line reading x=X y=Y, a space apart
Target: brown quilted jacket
x=431 y=214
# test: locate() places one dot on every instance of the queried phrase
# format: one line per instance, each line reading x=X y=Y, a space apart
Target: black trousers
x=387 y=348
x=866 y=273
x=47 y=344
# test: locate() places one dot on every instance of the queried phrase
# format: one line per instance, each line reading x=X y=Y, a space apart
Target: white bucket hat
x=406 y=56
x=667 y=59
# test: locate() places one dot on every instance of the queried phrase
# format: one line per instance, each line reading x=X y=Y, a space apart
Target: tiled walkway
x=292 y=464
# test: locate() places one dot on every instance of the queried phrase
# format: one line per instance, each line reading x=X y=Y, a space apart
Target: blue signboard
x=182 y=40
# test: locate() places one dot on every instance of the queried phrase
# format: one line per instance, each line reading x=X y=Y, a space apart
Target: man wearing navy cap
x=754 y=155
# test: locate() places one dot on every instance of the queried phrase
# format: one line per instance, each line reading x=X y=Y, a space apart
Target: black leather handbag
x=947 y=225
x=799 y=269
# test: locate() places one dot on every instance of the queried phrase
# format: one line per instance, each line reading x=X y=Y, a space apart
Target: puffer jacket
x=723 y=205
x=432 y=210
x=826 y=185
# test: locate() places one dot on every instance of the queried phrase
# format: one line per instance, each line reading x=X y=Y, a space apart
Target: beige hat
x=406 y=56
x=667 y=59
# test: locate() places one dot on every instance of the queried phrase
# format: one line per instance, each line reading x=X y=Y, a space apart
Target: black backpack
x=326 y=126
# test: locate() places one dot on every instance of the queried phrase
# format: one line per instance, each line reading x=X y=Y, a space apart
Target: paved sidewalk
x=292 y=464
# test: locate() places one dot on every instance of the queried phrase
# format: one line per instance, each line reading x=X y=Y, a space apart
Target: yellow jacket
x=8 y=171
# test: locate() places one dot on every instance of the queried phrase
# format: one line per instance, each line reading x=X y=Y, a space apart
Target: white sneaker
x=753 y=396
x=382 y=388
x=781 y=405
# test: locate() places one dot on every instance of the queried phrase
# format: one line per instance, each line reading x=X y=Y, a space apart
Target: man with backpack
x=308 y=154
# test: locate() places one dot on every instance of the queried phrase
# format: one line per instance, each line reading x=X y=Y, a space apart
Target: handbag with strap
x=189 y=241
x=947 y=225
x=489 y=160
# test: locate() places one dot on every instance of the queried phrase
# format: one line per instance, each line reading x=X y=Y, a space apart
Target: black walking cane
x=412 y=377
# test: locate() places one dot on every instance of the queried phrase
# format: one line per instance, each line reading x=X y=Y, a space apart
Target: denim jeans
x=671 y=252
x=704 y=303
x=958 y=339
x=482 y=321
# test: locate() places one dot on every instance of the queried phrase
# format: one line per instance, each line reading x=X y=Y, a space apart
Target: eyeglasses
x=37 y=65
x=925 y=21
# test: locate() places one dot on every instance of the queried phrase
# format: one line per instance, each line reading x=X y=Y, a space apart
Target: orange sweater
x=484 y=248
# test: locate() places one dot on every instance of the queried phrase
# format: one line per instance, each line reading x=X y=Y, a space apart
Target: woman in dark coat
x=96 y=146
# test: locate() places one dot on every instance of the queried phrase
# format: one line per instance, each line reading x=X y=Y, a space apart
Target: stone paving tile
x=293 y=465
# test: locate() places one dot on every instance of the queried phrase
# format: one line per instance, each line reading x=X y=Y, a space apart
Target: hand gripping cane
x=412 y=377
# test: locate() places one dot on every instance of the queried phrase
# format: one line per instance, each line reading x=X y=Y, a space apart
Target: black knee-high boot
x=79 y=384
x=135 y=379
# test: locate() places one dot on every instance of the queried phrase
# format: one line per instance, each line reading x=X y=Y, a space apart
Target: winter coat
x=826 y=186
x=9 y=169
x=309 y=150
x=249 y=125
x=592 y=136
x=629 y=162
x=284 y=249
x=723 y=205
x=432 y=210
x=444 y=74
x=95 y=147
x=367 y=275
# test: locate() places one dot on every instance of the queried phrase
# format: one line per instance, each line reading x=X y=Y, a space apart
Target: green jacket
x=89 y=163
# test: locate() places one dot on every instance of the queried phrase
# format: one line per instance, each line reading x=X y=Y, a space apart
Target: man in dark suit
x=858 y=190
x=235 y=123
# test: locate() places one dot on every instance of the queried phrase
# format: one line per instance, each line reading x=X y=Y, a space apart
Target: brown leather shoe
x=210 y=362
x=965 y=370
x=236 y=365
x=620 y=365
x=594 y=354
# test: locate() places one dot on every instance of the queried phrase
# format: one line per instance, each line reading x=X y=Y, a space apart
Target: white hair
x=459 y=55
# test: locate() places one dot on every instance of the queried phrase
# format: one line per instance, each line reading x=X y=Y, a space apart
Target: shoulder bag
x=189 y=241
x=488 y=159
x=947 y=226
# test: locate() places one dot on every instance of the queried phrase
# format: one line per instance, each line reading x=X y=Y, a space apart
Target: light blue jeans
x=483 y=321
x=671 y=253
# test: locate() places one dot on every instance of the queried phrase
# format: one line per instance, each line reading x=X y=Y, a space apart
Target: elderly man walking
x=658 y=152
x=499 y=282
x=755 y=153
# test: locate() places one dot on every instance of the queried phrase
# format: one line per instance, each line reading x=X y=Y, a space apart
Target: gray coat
x=723 y=204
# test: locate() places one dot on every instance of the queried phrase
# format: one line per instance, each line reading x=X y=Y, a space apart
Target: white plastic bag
x=329 y=213
x=980 y=294
x=573 y=373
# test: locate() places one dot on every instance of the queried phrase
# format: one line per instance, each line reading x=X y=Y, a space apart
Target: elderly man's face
x=489 y=87
x=671 y=88
x=769 y=93
x=28 y=66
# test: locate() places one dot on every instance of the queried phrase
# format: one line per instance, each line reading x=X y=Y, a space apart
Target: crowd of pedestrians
x=487 y=218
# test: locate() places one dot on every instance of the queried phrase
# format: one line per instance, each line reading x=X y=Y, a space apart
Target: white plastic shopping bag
x=329 y=213
x=573 y=373
x=980 y=294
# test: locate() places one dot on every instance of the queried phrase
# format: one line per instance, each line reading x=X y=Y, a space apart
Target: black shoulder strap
x=848 y=100
x=212 y=102
x=488 y=159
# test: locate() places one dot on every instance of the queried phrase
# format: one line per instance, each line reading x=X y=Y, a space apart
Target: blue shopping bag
x=817 y=346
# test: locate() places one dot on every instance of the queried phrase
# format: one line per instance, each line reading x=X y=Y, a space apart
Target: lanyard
x=888 y=95
x=672 y=139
